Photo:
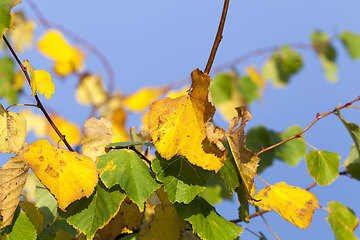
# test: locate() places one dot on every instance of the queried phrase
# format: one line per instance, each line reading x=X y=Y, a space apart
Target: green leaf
x=259 y=137
x=215 y=190
x=281 y=66
x=22 y=229
x=7 y=89
x=182 y=180
x=353 y=129
x=342 y=221
x=119 y=145
x=46 y=203
x=221 y=88
x=248 y=88
x=34 y=215
x=59 y=228
x=323 y=165
x=89 y=214
x=5 y=16
x=326 y=53
x=293 y=151
x=206 y=222
x=125 y=167
x=352 y=163
x=352 y=43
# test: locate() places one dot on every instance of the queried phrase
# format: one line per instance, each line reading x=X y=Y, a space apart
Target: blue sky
x=153 y=43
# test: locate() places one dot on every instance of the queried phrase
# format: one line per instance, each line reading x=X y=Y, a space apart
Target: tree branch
x=318 y=117
x=217 y=38
x=38 y=102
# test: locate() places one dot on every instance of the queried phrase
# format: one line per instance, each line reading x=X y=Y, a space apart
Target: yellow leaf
x=294 y=204
x=35 y=122
x=68 y=59
x=245 y=159
x=126 y=220
x=90 y=90
x=255 y=76
x=70 y=130
x=178 y=93
x=41 y=81
x=118 y=120
x=143 y=98
x=68 y=175
x=12 y=131
x=23 y=33
x=19 y=80
x=98 y=134
x=178 y=126
x=12 y=181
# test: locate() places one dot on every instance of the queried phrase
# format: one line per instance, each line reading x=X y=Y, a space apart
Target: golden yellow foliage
x=68 y=59
x=118 y=120
x=294 y=204
x=90 y=90
x=19 y=80
x=98 y=134
x=12 y=181
x=41 y=81
x=68 y=175
x=12 y=131
x=178 y=93
x=69 y=129
x=23 y=33
x=178 y=126
x=245 y=159
x=126 y=220
x=143 y=98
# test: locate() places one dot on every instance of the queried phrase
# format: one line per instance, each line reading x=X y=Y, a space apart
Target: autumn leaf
x=90 y=90
x=127 y=219
x=23 y=33
x=35 y=122
x=294 y=204
x=68 y=59
x=143 y=98
x=245 y=159
x=178 y=126
x=5 y=17
x=68 y=175
x=41 y=81
x=119 y=121
x=69 y=129
x=12 y=181
x=98 y=134
x=12 y=131
x=7 y=80
x=34 y=215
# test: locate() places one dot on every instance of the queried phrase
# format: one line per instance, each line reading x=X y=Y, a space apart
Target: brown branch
x=217 y=38
x=318 y=117
x=38 y=102
x=104 y=61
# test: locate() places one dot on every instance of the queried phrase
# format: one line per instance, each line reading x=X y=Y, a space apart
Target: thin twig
x=82 y=41
x=268 y=225
x=354 y=107
x=217 y=38
x=38 y=102
x=141 y=155
x=318 y=117
x=249 y=230
x=21 y=104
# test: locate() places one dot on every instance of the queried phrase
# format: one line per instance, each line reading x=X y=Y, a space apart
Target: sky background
x=154 y=43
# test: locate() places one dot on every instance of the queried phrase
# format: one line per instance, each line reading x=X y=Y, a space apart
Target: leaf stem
x=217 y=38
x=271 y=229
x=308 y=144
x=318 y=117
x=38 y=102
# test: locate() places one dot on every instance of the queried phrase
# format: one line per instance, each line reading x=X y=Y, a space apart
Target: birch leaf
x=5 y=17
x=23 y=33
x=41 y=81
x=90 y=90
x=143 y=98
x=98 y=134
x=178 y=126
x=294 y=204
x=12 y=131
x=67 y=128
x=68 y=175
x=245 y=159
x=12 y=181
